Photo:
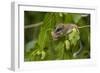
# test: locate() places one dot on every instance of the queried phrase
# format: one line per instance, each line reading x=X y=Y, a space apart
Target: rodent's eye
x=59 y=29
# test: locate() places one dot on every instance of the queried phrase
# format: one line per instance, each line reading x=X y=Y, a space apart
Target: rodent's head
x=58 y=31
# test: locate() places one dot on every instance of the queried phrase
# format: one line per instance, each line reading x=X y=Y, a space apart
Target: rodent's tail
x=78 y=52
x=84 y=26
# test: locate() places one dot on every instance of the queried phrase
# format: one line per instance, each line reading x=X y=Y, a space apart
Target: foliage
x=74 y=36
x=45 y=48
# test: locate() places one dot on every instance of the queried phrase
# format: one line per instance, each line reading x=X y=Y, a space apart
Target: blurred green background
x=39 y=45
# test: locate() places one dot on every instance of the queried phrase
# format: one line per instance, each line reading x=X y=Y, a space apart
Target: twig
x=33 y=25
x=84 y=26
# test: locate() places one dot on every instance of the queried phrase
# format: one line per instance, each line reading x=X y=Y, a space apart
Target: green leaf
x=76 y=18
x=74 y=36
x=59 y=50
x=43 y=54
x=67 y=44
x=68 y=18
x=38 y=52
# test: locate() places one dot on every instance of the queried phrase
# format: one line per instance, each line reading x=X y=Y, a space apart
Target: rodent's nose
x=54 y=36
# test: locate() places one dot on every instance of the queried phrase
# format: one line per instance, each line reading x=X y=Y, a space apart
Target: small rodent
x=64 y=29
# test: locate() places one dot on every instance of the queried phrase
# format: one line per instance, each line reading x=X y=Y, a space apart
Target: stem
x=33 y=25
x=84 y=26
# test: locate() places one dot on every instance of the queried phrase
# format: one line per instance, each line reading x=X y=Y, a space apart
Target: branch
x=84 y=26
x=33 y=25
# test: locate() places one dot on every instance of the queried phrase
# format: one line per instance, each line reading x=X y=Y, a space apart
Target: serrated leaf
x=43 y=54
x=38 y=52
x=67 y=44
x=68 y=18
x=60 y=14
x=76 y=18
x=74 y=36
